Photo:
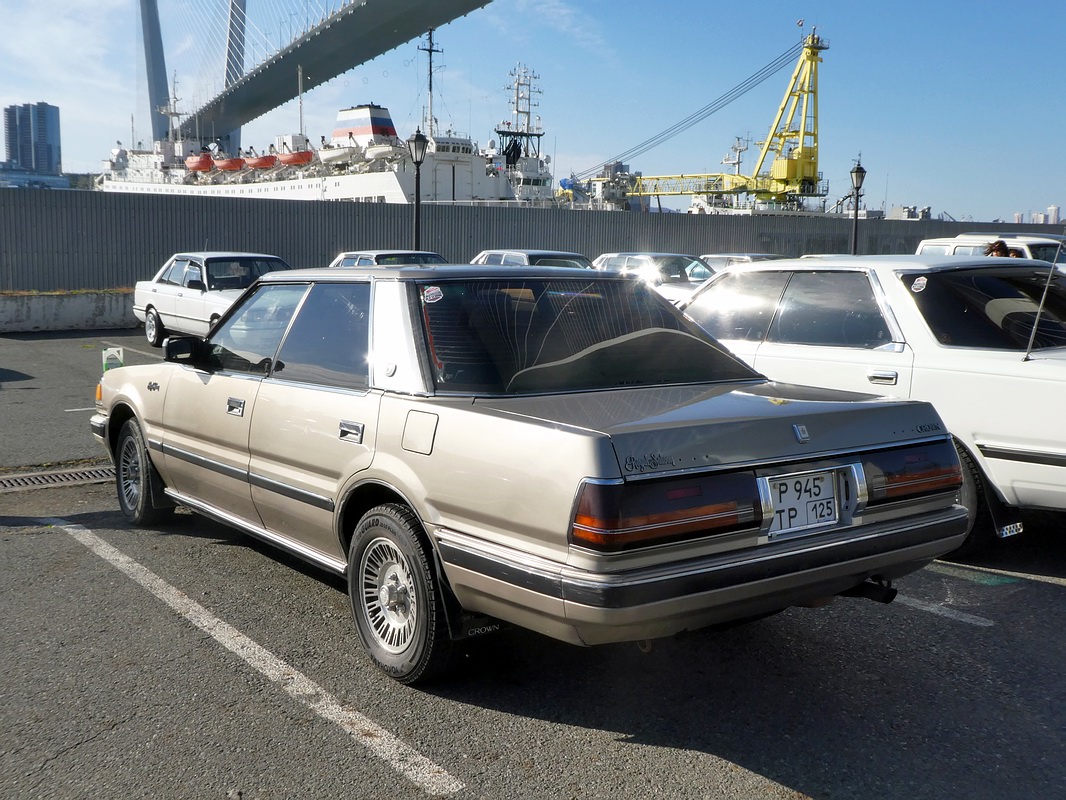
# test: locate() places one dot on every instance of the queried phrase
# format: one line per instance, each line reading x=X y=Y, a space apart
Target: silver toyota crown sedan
x=542 y=447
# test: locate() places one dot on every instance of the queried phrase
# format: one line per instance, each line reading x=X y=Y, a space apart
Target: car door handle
x=235 y=407
x=883 y=377
x=351 y=432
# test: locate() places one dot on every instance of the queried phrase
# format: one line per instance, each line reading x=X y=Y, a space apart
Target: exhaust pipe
x=882 y=592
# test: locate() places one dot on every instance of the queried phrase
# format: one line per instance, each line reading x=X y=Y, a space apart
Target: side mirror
x=184 y=350
x=198 y=285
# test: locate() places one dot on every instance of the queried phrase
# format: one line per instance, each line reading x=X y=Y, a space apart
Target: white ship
x=363 y=161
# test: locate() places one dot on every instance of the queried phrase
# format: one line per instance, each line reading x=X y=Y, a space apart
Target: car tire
x=396 y=597
x=981 y=532
x=136 y=478
x=154 y=331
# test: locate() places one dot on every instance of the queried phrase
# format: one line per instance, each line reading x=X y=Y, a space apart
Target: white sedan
x=193 y=290
x=958 y=332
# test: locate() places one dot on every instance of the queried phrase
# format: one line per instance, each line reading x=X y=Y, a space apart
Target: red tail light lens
x=616 y=517
x=912 y=472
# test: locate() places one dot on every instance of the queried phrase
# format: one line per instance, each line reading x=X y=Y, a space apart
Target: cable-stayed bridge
x=323 y=40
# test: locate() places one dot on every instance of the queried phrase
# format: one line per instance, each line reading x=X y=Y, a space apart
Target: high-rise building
x=31 y=133
x=1053 y=215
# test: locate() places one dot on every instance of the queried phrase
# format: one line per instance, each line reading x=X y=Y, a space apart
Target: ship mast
x=430 y=49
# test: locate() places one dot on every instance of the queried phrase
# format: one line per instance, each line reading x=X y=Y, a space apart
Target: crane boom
x=791 y=147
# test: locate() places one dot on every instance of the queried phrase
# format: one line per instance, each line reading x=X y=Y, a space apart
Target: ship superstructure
x=518 y=151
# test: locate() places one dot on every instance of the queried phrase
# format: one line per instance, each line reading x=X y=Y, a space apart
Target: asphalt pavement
x=47 y=391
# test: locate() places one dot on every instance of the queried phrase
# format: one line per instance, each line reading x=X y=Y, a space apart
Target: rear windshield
x=398 y=259
x=994 y=309
x=529 y=336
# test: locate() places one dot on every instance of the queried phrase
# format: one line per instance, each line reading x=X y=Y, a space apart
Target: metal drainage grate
x=40 y=480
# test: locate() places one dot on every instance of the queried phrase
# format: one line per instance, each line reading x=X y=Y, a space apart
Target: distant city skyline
x=911 y=86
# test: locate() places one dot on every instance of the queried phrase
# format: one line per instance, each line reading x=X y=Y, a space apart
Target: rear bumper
x=595 y=608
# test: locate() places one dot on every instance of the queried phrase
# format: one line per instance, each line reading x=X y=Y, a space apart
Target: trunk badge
x=801 y=433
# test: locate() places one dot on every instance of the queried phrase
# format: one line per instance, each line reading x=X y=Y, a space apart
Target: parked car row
x=982 y=339
x=943 y=329
x=473 y=447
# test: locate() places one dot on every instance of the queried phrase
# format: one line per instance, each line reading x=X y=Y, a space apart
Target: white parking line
x=933 y=608
x=399 y=756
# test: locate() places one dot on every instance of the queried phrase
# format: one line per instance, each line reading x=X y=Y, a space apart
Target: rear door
x=163 y=293
x=830 y=330
x=315 y=421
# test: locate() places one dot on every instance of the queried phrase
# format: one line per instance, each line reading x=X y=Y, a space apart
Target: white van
x=1045 y=248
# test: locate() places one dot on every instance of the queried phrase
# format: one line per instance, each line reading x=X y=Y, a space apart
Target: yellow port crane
x=791 y=147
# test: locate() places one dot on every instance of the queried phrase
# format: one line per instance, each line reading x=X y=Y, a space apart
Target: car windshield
x=992 y=308
x=239 y=273
x=527 y=336
x=673 y=269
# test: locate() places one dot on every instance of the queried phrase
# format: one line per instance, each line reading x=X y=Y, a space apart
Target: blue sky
x=953 y=104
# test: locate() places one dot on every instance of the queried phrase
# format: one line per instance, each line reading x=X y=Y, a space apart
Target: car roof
x=897 y=263
x=209 y=254
x=350 y=253
x=742 y=255
x=430 y=271
x=531 y=252
x=1020 y=238
x=648 y=253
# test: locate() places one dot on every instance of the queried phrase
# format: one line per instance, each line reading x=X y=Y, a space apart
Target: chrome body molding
x=338 y=566
x=1025 y=456
x=850 y=551
x=284 y=489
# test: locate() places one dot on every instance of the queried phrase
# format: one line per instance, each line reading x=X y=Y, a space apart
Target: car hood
x=666 y=429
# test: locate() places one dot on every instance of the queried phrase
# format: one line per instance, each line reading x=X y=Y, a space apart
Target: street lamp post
x=858 y=175
x=418 y=144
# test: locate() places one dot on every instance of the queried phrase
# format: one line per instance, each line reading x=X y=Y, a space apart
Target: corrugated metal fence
x=68 y=240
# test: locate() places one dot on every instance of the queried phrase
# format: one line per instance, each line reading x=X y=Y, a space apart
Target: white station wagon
x=983 y=339
x=554 y=448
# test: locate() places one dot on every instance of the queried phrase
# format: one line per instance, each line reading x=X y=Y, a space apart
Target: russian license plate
x=802 y=500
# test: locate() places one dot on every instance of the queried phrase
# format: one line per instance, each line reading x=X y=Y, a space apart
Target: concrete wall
x=66 y=312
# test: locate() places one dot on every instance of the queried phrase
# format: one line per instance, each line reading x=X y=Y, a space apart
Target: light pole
x=417 y=144
x=858 y=175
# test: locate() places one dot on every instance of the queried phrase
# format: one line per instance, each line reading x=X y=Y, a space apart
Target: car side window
x=739 y=305
x=329 y=339
x=513 y=260
x=835 y=309
x=192 y=273
x=494 y=258
x=248 y=339
x=174 y=274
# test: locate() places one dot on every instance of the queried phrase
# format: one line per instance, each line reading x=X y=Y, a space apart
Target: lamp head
x=858 y=175
x=418 y=144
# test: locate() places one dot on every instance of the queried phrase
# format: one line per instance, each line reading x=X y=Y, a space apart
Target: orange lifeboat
x=229 y=164
x=199 y=162
x=296 y=159
x=261 y=162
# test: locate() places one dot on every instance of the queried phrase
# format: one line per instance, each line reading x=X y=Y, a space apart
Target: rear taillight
x=614 y=517
x=912 y=472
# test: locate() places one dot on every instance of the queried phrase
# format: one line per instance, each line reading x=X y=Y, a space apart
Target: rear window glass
x=992 y=308
x=537 y=335
x=738 y=305
x=239 y=273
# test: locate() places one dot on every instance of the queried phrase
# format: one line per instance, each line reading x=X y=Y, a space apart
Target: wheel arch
x=359 y=499
x=1001 y=513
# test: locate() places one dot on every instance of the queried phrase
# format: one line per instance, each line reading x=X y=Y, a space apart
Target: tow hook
x=881 y=591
